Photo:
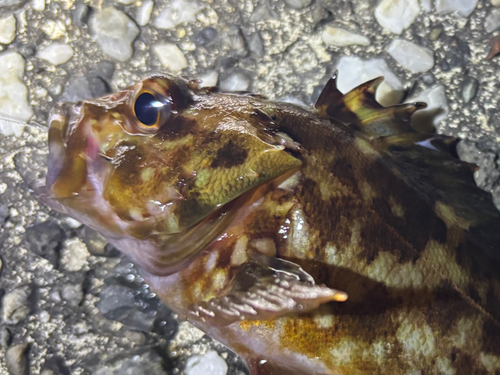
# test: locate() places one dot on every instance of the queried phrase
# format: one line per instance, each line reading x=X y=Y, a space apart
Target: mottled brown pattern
x=359 y=205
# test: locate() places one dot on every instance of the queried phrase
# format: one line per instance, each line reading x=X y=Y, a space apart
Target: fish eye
x=147 y=109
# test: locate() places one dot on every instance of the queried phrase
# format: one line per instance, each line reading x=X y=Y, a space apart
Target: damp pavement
x=70 y=304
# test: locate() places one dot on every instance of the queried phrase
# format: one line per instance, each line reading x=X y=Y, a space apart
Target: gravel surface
x=69 y=304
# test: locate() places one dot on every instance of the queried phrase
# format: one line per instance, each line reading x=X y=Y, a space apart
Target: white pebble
x=235 y=82
x=125 y=2
x=495 y=3
x=209 y=78
x=143 y=13
x=410 y=56
x=435 y=97
x=38 y=5
x=179 y=11
x=339 y=37
x=354 y=71
x=462 y=7
x=397 y=15
x=426 y=5
x=13 y=94
x=114 y=32
x=7 y=29
x=170 y=56
x=56 y=53
x=210 y=363
x=74 y=255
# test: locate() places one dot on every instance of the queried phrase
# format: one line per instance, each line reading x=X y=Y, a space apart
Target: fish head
x=159 y=168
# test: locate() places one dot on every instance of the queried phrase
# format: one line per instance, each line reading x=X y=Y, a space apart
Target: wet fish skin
x=328 y=240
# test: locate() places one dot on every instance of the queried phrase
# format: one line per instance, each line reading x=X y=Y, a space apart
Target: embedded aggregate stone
x=114 y=32
x=397 y=15
x=469 y=88
x=170 y=56
x=210 y=363
x=410 y=56
x=15 y=305
x=13 y=94
x=236 y=81
x=145 y=363
x=462 y=7
x=143 y=13
x=437 y=105
x=16 y=359
x=7 y=29
x=336 y=36
x=56 y=53
x=176 y=13
x=492 y=21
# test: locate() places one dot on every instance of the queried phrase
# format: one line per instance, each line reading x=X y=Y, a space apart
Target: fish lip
x=63 y=119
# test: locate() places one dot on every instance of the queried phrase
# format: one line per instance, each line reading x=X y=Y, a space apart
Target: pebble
x=435 y=32
x=145 y=363
x=72 y=293
x=170 y=56
x=16 y=359
x=235 y=82
x=96 y=243
x=410 y=56
x=397 y=15
x=470 y=86
x=495 y=3
x=426 y=5
x=15 y=305
x=143 y=13
x=178 y=12
x=10 y=3
x=298 y=4
x=56 y=53
x=74 y=255
x=209 y=78
x=354 y=71
x=7 y=29
x=13 y=94
x=437 y=105
x=81 y=14
x=43 y=239
x=5 y=337
x=114 y=32
x=339 y=37
x=462 y=7
x=114 y=297
x=233 y=38
x=38 y=5
x=55 y=365
x=210 y=363
x=492 y=21
x=256 y=45
x=205 y=36
x=263 y=12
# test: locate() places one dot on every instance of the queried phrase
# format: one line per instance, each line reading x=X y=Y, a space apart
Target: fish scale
x=337 y=239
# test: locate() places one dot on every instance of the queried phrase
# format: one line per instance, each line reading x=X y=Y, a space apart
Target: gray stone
x=45 y=239
x=11 y=3
x=114 y=297
x=232 y=36
x=410 y=56
x=114 y=32
x=178 y=12
x=492 y=21
x=15 y=305
x=16 y=359
x=470 y=86
x=72 y=293
x=5 y=337
x=56 y=53
x=205 y=36
x=256 y=45
x=263 y=12
x=170 y=56
x=143 y=13
x=81 y=14
x=397 y=15
x=462 y=7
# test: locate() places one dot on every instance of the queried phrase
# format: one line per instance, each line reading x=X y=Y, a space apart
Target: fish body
x=328 y=240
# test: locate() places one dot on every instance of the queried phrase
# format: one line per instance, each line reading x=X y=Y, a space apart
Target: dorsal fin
x=428 y=161
x=360 y=110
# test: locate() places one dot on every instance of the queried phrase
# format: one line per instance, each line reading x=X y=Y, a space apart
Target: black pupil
x=147 y=108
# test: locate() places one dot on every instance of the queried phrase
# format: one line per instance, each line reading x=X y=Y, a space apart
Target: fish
x=333 y=239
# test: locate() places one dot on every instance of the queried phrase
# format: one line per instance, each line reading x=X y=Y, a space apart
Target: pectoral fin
x=265 y=288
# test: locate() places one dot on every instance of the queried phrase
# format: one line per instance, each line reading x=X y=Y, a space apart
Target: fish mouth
x=63 y=120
